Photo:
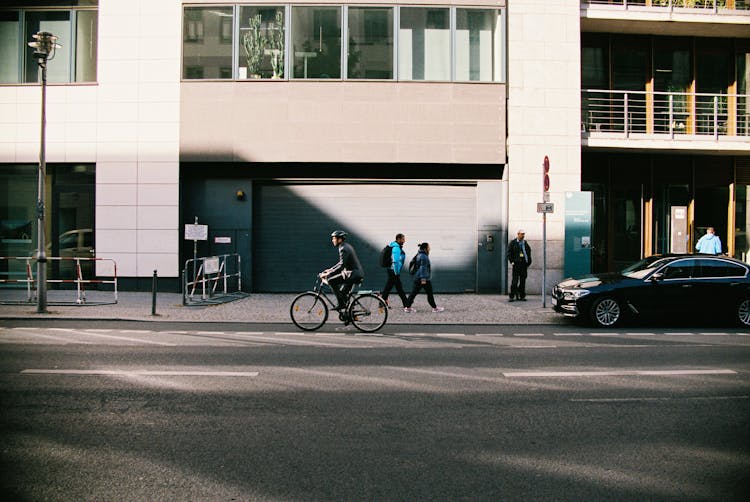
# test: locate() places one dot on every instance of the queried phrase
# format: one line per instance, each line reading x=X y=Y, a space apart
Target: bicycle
x=366 y=310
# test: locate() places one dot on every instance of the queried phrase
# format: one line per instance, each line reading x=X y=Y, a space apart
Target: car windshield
x=641 y=269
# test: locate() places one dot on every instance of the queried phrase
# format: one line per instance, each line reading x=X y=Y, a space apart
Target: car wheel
x=606 y=312
x=743 y=312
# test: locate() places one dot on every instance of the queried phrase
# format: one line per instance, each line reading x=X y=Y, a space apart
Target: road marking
x=450 y=334
x=533 y=346
x=604 y=334
x=124 y=338
x=640 y=334
x=99 y=330
x=714 y=334
x=140 y=373
x=489 y=334
x=567 y=334
x=678 y=334
x=647 y=399
x=528 y=334
x=64 y=341
x=562 y=374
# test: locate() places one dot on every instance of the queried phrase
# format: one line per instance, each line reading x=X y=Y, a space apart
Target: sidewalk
x=274 y=308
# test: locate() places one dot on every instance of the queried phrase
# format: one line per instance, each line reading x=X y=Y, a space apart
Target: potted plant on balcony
x=275 y=44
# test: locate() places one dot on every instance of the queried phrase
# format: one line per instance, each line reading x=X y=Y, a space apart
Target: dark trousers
x=394 y=280
x=417 y=287
x=518 y=283
x=341 y=288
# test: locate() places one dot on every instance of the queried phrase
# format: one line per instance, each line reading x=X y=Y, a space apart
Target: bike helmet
x=339 y=233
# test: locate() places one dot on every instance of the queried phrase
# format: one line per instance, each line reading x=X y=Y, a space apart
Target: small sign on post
x=545 y=207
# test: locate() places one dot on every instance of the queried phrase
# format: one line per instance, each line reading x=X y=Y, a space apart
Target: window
x=424 y=51
x=370 y=44
x=205 y=51
x=316 y=42
x=478 y=46
x=76 y=30
x=721 y=268
x=262 y=44
x=313 y=42
x=682 y=269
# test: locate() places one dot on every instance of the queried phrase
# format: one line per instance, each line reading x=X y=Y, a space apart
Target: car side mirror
x=657 y=277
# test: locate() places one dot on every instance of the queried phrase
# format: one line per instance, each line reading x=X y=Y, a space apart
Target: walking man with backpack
x=392 y=259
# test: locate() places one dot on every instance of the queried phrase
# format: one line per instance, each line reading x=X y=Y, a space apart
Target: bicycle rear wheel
x=368 y=313
x=308 y=311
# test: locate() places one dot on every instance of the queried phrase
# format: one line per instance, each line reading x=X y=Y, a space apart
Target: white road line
x=140 y=373
x=533 y=346
x=274 y=337
x=567 y=334
x=640 y=334
x=562 y=374
x=528 y=334
x=604 y=334
x=60 y=339
x=124 y=338
x=99 y=330
x=647 y=399
x=743 y=334
x=678 y=334
x=714 y=334
x=449 y=334
x=489 y=334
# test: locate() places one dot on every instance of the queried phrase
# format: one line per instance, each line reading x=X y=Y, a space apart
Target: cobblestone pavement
x=274 y=308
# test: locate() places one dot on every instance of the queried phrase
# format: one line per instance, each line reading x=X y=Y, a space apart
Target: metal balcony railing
x=704 y=5
x=670 y=113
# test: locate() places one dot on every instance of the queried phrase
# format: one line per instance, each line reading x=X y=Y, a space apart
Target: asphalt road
x=159 y=411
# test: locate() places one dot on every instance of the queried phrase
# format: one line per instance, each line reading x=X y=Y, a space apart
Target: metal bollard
x=153 y=294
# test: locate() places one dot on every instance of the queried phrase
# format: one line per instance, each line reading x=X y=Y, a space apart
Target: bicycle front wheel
x=308 y=311
x=368 y=313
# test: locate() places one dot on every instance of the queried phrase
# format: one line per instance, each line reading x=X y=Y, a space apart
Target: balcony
x=710 y=18
x=671 y=5
x=671 y=120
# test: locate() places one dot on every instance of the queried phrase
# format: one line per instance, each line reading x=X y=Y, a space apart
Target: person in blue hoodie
x=422 y=279
x=709 y=243
x=394 y=271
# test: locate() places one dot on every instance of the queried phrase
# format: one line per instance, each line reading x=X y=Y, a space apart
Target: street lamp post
x=44 y=46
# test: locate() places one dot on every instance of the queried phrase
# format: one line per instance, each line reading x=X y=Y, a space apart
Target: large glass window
x=478 y=45
x=261 y=42
x=76 y=30
x=424 y=51
x=207 y=42
x=370 y=49
x=316 y=42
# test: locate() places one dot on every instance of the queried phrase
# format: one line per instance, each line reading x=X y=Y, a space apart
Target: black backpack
x=413 y=267
x=386 y=257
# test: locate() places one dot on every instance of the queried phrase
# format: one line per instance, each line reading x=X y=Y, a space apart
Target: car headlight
x=575 y=294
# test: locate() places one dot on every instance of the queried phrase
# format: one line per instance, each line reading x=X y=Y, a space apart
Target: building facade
x=276 y=122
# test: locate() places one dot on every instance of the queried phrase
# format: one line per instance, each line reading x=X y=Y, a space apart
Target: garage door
x=292 y=225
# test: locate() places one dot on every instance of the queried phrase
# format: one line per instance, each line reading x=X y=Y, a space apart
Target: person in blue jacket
x=709 y=243
x=394 y=271
x=422 y=279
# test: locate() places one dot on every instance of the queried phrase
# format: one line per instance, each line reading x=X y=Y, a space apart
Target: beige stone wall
x=543 y=119
x=299 y=121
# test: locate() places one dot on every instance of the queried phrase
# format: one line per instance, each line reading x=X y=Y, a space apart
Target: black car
x=716 y=286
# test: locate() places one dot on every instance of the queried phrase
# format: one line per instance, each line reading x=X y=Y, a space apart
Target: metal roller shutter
x=292 y=224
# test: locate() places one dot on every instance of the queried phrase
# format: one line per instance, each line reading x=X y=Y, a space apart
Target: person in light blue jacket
x=394 y=270
x=709 y=243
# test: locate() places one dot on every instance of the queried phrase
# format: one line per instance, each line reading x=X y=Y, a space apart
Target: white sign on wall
x=196 y=232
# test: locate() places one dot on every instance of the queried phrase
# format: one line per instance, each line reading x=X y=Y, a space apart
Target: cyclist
x=346 y=272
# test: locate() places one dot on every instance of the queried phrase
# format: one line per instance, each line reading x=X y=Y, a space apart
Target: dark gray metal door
x=293 y=221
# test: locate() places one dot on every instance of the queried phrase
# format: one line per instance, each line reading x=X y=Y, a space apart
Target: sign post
x=196 y=233
x=544 y=208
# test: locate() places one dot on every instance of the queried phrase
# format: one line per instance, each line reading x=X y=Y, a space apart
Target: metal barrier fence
x=216 y=279
x=20 y=270
x=672 y=113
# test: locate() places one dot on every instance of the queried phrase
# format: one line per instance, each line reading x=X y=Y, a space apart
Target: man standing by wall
x=519 y=255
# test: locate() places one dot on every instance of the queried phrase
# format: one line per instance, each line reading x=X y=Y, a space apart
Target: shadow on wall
x=292 y=224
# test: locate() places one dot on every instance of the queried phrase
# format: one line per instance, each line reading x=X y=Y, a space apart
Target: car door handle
x=687 y=285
